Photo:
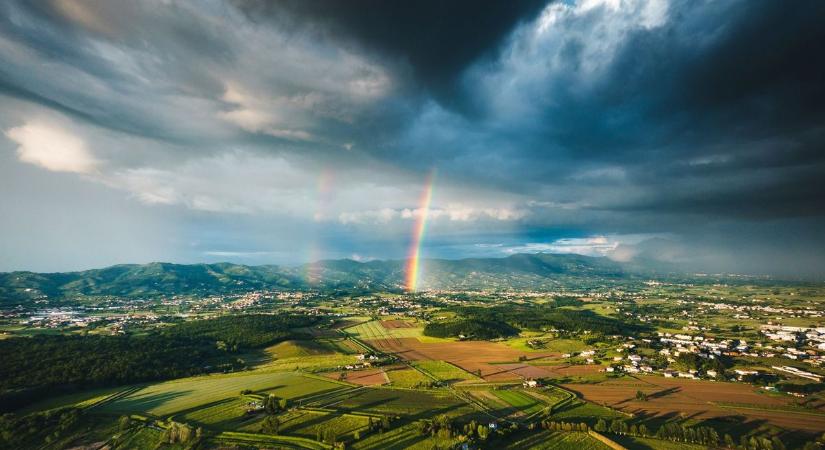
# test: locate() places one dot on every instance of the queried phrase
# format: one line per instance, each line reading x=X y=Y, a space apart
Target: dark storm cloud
x=433 y=39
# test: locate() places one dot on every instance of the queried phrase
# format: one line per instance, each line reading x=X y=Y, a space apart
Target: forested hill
x=163 y=279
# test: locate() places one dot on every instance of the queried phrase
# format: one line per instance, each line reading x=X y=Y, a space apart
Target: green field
x=226 y=415
x=292 y=349
x=556 y=440
x=401 y=438
x=374 y=330
x=521 y=401
x=653 y=444
x=406 y=378
x=445 y=371
x=308 y=423
x=404 y=402
x=171 y=397
x=343 y=346
x=580 y=411
x=310 y=363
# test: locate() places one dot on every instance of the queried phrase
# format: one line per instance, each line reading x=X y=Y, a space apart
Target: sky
x=682 y=132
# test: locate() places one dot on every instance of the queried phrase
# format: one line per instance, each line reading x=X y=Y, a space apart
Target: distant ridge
x=519 y=271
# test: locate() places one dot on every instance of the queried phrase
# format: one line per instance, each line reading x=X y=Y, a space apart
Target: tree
x=271 y=425
x=271 y=404
x=124 y=423
x=643 y=430
x=641 y=396
x=688 y=361
x=729 y=443
x=282 y=404
x=483 y=432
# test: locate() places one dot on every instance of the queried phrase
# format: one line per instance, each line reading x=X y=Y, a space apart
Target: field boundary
x=268 y=439
x=606 y=440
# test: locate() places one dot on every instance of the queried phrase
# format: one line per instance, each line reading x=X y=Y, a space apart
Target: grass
x=417 y=404
x=79 y=399
x=374 y=330
x=445 y=371
x=525 y=403
x=310 y=363
x=308 y=423
x=292 y=349
x=653 y=444
x=586 y=412
x=267 y=440
x=406 y=378
x=343 y=346
x=180 y=395
x=224 y=415
x=556 y=440
x=142 y=438
x=403 y=437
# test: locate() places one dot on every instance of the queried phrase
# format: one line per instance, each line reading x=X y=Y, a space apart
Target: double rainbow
x=419 y=228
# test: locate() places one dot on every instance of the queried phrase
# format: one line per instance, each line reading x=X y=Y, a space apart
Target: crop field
x=396 y=323
x=292 y=349
x=374 y=330
x=549 y=344
x=310 y=363
x=402 y=438
x=266 y=440
x=521 y=401
x=404 y=402
x=579 y=411
x=367 y=377
x=176 y=396
x=341 y=345
x=700 y=400
x=471 y=356
x=405 y=377
x=307 y=424
x=143 y=439
x=554 y=440
x=226 y=415
x=650 y=444
x=445 y=371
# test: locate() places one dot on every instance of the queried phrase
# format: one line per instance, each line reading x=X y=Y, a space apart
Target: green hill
x=163 y=279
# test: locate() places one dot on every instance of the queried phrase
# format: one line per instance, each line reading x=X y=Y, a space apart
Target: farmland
x=700 y=400
x=368 y=382
x=444 y=371
x=175 y=396
x=558 y=441
x=406 y=378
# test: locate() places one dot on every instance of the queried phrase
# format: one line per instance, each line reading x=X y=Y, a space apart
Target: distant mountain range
x=520 y=271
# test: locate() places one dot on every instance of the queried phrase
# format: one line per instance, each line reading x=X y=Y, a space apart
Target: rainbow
x=420 y=226
x=322 y=200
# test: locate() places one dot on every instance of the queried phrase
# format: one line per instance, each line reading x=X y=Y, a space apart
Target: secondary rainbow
x=419 y=228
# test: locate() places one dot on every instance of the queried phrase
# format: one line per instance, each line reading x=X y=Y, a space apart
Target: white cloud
x=599 y=245
x=52 y=147
x=564 y=52
x=451 y=213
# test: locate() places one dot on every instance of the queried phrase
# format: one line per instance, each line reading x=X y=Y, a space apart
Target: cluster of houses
x=366 y=361
x=389 y=305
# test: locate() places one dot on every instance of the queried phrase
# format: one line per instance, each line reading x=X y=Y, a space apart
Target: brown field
x=370 y=377
x=392 y=324
x=699 y=400
x=471 y=356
